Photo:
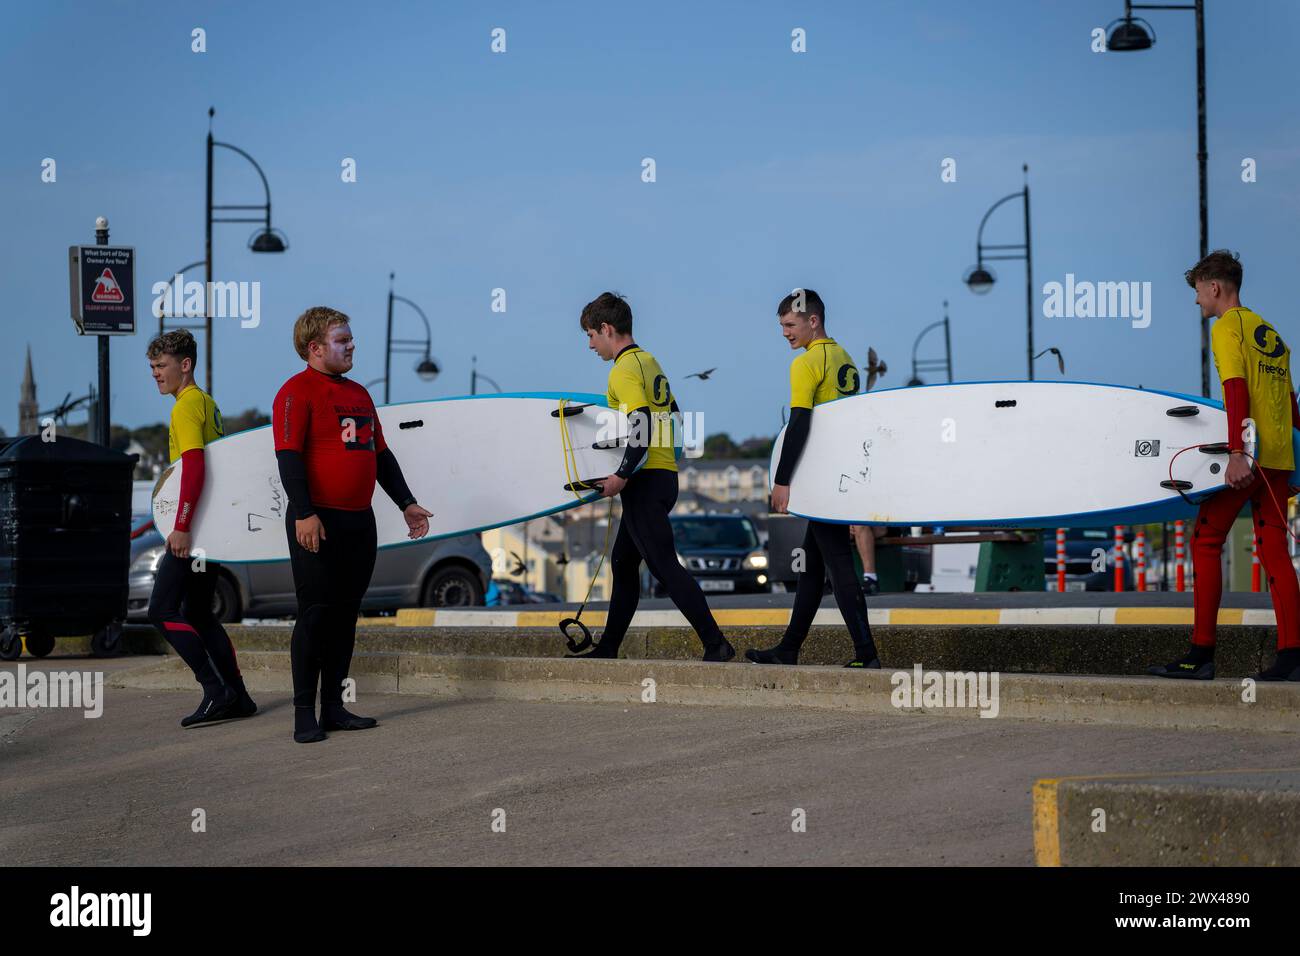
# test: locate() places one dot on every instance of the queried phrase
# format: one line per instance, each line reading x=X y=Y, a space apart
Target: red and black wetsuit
x=331 y=451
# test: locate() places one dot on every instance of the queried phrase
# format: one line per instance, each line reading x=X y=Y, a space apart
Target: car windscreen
x=697 y=533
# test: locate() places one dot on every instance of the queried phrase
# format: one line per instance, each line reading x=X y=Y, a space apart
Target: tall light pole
x=935 y=364
x=162 y=311
x=980 y=280
x=426 y=368
x=475 y=375
x=265 y=240
x=1132 y=34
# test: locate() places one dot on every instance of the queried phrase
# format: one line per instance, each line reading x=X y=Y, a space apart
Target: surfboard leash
x=571 y=469
x=1177 y=485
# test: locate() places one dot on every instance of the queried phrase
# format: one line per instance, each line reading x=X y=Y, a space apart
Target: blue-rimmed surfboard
x=476 y=462
x=1010 y=454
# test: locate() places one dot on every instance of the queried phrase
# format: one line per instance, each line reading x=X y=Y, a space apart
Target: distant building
x=28 y=410
x=724 y=480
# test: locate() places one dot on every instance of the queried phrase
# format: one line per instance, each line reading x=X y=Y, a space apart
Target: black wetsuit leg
x=330 y=584
x=648 y=497
x=200 y=588
x=625 y=589
x=351 y=572
x=828 y=549
x=167 y=612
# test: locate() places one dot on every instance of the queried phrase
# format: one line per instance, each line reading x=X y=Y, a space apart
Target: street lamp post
x=1131 y=34
x=475 y=375
x=980 y=280
x=945 y=363
x=265 y=240
x=167 y=294
x=427 y=368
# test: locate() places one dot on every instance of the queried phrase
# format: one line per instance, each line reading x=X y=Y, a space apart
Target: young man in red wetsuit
x=331 y=451
x=1254 y=366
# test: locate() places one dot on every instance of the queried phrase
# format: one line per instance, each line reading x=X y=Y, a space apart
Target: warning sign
x=106 y=288
x=101 y=284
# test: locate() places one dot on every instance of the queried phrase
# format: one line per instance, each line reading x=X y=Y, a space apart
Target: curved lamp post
x=936 y=364
x=264 y=240
x=427 y=368
x=980 y=279
x=1132 y=34
x=475 y=375
x=162 y=312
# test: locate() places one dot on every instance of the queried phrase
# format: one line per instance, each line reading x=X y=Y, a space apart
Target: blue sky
x=522 y=171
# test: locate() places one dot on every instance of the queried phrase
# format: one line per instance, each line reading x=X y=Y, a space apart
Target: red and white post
x=1119 y=557
x=1141 y=545
x=1254 y=564
x=1060 y=560
x=1180 y=555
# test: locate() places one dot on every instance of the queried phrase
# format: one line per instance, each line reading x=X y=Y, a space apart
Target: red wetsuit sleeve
x=192 y=475
x=1236 y=398
x=380 y=444
x=291 y=416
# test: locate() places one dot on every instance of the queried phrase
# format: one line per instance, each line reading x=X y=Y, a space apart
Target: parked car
x=1080 y=543
x=512 y=592
x=447 y=572
x=721 y=551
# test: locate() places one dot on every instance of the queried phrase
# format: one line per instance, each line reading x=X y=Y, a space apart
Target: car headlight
x=147 y=560
x=756 y=560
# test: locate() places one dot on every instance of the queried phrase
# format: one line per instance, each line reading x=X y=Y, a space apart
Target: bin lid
x=31 y=448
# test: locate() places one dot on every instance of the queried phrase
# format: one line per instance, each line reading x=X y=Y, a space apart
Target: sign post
x=101 y=287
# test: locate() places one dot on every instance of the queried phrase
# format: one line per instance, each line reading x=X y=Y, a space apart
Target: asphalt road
x=578 y=783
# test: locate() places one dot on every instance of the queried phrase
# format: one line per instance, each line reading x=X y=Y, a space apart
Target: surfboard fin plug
x=1183 y=411
x=568 y=411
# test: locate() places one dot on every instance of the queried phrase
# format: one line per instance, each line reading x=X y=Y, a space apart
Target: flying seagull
x=875 y=368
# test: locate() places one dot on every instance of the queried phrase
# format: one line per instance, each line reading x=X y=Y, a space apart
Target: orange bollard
x=1141 y=544
x=1254 y=564
x=1060 y=560
x=1119 y=557
x=1179 y=555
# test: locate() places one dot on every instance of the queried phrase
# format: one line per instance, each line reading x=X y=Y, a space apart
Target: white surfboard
x=1009 y=454
x=476 y=462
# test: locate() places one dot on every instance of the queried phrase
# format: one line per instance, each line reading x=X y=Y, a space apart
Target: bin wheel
x=11 y=644
x=40 y=642
x=107 y=641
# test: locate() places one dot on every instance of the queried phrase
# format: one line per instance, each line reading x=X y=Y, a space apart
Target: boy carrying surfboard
x=821 y=373
x=184 y=585
x=331 y=451
x=1254 y=366
x=638 y=386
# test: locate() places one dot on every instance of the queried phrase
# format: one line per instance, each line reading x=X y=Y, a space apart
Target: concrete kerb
x=1248 y=817
x=1133 y=701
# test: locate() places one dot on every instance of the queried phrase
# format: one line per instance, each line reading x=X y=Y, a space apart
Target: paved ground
x=579 y=783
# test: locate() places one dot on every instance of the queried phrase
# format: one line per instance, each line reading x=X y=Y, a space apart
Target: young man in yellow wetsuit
x=822 y=372
x=1254 y=366
x=184 y=585
x=638 y=386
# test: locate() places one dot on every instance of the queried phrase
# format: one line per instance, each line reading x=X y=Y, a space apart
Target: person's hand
x=178 y=543
x=310 y=532
x=611 y=485
x=417 y=519
x=780 y=498
x=1239 y=474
